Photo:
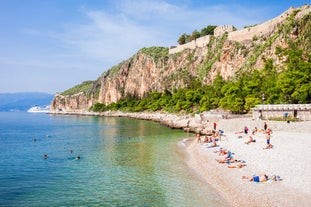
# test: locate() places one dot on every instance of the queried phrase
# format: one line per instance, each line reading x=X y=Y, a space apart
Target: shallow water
x=124 y=162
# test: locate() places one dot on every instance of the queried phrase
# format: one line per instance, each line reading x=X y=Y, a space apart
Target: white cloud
x=83 y=49
x=115 y=36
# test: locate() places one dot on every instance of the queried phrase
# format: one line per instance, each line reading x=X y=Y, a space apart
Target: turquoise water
x=124 y=162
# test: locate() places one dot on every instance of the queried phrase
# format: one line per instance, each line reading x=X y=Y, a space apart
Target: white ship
x=39 y=109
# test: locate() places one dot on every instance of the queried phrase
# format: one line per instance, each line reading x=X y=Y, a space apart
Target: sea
x=123 y=162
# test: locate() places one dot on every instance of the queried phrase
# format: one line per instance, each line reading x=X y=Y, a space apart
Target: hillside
x=231 y=55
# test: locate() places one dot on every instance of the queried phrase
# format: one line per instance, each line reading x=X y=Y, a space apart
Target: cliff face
x=75 y=103
x=228 y=55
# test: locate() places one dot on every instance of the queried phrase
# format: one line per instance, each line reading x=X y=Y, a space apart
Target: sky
x=52 y=45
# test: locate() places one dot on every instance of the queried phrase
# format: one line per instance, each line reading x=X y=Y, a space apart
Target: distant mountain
x=23 y=101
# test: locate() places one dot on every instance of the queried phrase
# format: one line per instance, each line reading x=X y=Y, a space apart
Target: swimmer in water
x=78 y=158
x=45 y=156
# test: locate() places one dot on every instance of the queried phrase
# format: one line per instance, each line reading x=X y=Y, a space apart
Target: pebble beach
x=289 y=158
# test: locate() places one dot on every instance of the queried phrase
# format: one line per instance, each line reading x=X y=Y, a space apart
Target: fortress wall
x=179 y=48
x=264 y=28
x=221 y=30
x=243 y=34
x=200 y=42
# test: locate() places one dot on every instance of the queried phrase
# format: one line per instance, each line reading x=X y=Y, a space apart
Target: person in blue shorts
x=268 y=137
x=256 y=178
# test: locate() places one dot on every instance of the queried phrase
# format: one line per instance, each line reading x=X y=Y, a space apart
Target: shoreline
x=289 y=158
x=190 y=124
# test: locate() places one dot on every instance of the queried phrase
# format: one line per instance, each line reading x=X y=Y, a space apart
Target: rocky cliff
x=154 y=69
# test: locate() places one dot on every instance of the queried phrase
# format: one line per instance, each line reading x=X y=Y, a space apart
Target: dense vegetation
x=83 y=87
x=185 y=38
x=155 y=52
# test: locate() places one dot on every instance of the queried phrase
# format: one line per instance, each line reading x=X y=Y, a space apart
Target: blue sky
x=52 y=45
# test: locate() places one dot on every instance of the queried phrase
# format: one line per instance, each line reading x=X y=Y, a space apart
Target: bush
x=83 y=87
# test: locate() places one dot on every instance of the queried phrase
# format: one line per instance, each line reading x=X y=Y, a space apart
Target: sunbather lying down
x=250 y=140
x=226 y=160
x=222 y=151
x=238 y=165
x=256 y=178
x=262 y=178
x=229 y=160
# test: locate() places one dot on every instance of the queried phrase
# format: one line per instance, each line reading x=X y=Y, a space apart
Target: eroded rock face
x=77 y=103
x=143 y=73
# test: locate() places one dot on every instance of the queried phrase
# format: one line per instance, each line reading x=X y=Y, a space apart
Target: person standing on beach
x=198 y=138
x=268 y=137
x=245 y=130
x=265 y=126
x=215 y=126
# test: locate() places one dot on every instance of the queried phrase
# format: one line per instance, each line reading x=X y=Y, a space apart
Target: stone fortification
x=265 y=28
x=241 y=35
x=258 y=30
x=221 y=30
x=200 y=42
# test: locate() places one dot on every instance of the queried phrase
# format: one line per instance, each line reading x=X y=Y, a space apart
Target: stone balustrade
x=298 y=111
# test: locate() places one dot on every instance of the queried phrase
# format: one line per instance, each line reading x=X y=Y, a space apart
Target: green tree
x=182 y=39
x=209 y=30
x=195 y=35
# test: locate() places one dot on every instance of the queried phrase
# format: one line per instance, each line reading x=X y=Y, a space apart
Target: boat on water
x=39 y=109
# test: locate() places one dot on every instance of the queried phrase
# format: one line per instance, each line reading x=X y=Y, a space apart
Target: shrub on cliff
x=84 y=87
x=155 y=52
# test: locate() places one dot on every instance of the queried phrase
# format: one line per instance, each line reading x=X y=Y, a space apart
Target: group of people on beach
x=228 y=156
x=211 y=138
x=267 y=131
x=229 y=159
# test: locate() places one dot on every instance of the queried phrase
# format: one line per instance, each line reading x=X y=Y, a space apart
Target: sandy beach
x=289 y=159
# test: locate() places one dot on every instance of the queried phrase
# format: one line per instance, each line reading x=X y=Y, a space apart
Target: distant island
x=23 y=101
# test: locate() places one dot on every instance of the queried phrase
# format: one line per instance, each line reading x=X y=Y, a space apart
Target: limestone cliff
x=228 y=54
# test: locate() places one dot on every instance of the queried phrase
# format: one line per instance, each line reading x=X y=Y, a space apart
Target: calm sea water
x=124 y=162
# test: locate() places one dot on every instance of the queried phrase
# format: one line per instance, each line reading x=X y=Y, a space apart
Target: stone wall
x=200 y=42
x=258 y=30
x=266 y=28
x=221 y=30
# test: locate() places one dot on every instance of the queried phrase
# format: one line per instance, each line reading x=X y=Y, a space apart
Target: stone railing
x=298 y=111
x=282 y=107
